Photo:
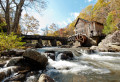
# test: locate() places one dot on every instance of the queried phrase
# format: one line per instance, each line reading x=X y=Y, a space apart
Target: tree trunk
x=17 y=16
x=7 y=16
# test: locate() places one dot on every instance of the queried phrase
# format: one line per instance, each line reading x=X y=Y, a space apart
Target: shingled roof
x=86 y=21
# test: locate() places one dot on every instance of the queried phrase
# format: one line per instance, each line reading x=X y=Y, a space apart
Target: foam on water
x=7 y=69
x=64 y=66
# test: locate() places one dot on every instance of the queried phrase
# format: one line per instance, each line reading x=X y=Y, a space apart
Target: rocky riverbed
x=61 y=65
x=111 y=43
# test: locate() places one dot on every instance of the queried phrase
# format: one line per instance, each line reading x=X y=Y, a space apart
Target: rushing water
x=93 y=67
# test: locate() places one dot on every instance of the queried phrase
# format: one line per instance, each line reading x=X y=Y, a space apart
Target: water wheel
x=82 y=38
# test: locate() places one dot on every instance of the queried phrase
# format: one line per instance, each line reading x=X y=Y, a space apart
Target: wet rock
x=69 y=53
x=18 y=77
x=19 y=52
x=38 y=45
x=8 y=53
x=13 y=52
x=20 y=62
x=90 y=51
x=49 y=51
x=66 y=55
x=6 y=72
x=16 y=61
x=35 y=59
x=2 y=76
x=2 y=64
x=51 y=54
x=32 y=73
x=45 y=78
x=110 y=43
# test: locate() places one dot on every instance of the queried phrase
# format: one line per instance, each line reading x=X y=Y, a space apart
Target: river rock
x=110 y=43
x=19 y=52
x=13 y=52
x=45 y=78
x=38 y=45
x=2 y=76
x=90 y=51
x=65 y=55
x=69 y=54
x=51 y=54
x=18 y=77
x=8 y=53
x=16 y=61
x=35 y=59
x=5 y=72
x=2 y=64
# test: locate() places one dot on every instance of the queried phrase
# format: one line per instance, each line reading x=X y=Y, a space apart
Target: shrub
x=10 y=41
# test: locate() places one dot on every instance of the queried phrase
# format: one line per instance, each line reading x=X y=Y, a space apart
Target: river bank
x=111 y=43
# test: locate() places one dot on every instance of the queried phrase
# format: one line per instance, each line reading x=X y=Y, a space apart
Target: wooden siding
x=88 y=28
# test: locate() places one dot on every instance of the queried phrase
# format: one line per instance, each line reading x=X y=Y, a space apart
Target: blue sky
x=61 y=12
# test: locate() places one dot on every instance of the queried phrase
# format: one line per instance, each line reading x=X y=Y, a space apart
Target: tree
x=45 y=30
x=53 y=30
x=110 y=26
x=17 y=6
x=31 y=24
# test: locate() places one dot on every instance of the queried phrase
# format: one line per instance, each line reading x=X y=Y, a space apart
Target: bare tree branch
x=2 y=5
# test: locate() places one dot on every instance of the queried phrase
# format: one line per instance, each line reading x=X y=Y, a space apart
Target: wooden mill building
x=87 y=32
x=88 y=28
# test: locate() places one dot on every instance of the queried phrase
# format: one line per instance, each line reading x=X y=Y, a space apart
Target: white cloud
x=75 y=14
x=61 y=24
x=89 y=0
x=45 y=19
x=48 y=18
x=69 y=20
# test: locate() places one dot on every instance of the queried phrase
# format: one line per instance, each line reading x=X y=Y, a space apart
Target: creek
x=86 y=66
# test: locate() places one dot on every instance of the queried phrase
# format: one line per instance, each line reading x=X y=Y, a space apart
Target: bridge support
x=40 y=41
x=64 y=42
x=53 y=42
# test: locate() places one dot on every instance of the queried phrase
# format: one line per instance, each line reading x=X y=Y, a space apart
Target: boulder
x=51 y=54
x=6 y=72
x=35 y=59
x=8 y=53
x=19 y=52
x=2 y=76
x=65 y=55
x=13 y=52
x=2 y=64
x=16 y=61
x=38 y=45
x=68 y=53
x=45 y=78
x=110 y=43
